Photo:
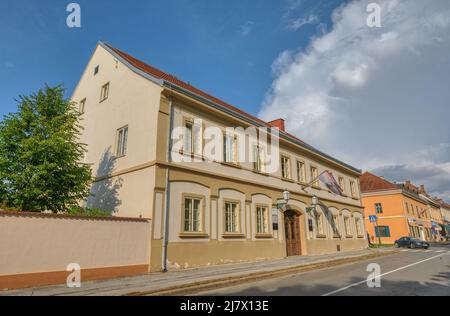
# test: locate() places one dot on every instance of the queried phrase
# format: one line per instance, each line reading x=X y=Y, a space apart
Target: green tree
x=40 y=154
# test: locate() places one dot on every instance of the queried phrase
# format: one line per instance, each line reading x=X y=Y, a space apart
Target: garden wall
x=35 y=249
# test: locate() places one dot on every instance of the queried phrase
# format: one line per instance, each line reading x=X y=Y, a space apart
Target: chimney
x=422 y=189
x=280 y=124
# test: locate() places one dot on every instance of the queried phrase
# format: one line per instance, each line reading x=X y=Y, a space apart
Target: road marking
x=440 y=251
x=390 y=272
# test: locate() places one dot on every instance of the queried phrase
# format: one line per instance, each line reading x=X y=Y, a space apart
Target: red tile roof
x=159 y=74
x=172 y=79
x=371 y=182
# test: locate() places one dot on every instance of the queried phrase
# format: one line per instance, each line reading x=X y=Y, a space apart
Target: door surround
x=294 y=232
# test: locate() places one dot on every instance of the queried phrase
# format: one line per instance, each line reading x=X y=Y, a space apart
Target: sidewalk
x=172 y=282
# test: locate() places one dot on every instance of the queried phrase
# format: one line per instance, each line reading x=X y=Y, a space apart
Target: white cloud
x=374 y=97
x=298 y=23
x=246 y=28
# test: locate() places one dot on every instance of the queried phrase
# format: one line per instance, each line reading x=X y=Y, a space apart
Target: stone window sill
x=193 y=235
x=233 y=235
x=264 y=236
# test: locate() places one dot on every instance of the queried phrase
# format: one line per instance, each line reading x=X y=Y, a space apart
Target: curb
x=200 y=286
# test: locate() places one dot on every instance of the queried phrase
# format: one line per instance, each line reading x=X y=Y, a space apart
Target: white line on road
x=390 y=272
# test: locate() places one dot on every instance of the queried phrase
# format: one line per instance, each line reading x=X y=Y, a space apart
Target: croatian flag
x=331 y=183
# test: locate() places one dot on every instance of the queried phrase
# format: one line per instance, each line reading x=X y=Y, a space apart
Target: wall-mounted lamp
x=315 y=201
x=286 y=196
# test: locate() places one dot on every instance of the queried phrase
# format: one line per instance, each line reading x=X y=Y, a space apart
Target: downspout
x=167 y=202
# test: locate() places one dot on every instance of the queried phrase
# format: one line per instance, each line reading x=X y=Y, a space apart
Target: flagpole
x=308 y=185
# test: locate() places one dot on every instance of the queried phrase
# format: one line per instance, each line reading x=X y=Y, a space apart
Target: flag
x=328 y=179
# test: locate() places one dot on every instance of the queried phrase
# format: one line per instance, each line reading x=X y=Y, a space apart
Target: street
x=408 y=273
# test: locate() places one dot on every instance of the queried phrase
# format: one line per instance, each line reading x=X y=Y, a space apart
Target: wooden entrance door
x=292 y=230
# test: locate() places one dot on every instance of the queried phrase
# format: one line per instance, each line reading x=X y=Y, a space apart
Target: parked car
x=412 y=243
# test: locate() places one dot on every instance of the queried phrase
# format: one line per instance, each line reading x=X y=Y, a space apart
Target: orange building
x=401 y=210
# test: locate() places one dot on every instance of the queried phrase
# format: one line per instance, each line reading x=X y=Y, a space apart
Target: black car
x=412 y=243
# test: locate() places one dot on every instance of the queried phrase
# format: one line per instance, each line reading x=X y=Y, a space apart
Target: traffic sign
x=373 y=218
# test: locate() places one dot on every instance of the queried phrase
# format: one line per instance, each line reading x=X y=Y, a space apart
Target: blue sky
x=224 y=47
x=376 y=98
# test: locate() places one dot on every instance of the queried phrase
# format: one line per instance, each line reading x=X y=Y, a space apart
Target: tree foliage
x=40 y=154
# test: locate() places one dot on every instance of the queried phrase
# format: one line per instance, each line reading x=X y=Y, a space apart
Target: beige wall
x=39 y=244
x=47 y=244
x=132 y=101
x=213 y=247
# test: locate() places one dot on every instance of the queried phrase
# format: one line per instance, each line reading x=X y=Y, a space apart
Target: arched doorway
x=292 y=232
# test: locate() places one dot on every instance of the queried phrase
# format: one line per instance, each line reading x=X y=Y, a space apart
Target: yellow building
x=401 y=210
x=205 y=212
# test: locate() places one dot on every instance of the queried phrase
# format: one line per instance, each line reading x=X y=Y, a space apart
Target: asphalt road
x=408 y=273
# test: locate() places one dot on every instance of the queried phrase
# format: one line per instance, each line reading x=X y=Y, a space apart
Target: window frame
x=378 y=208
x=387 y=232
x=267 y=220
x=121 y=146
x=348 y=227
x=82 y=106
x=315 y=175
x=286 y=164
x=201 y=217
x=104 y=92
x=320 y=225
x=238 y=229
x=194 y=138
x=353 y=188
x=259 y=163
x=235 y=147
x=301 y=171
x=341 y=181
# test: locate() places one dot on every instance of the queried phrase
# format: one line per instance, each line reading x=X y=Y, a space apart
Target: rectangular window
x=342 y=184
x=262 y=220
x=231 y=217
x=82 y=106
x=122 y=138
x=382 y=231
x=192 y=215
x=320 y=228
x=193 y=136
x=407 y=207
x=104 y=93
x=358 y=226
x=301 y=172
x=378 y=208
x=352 y=188
x=258 y=156
x=314 y=176
x=310 y=225
x=97 y=68
x=348 y=228
x=230 y=149
x=336 y=225
x=285 y=167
